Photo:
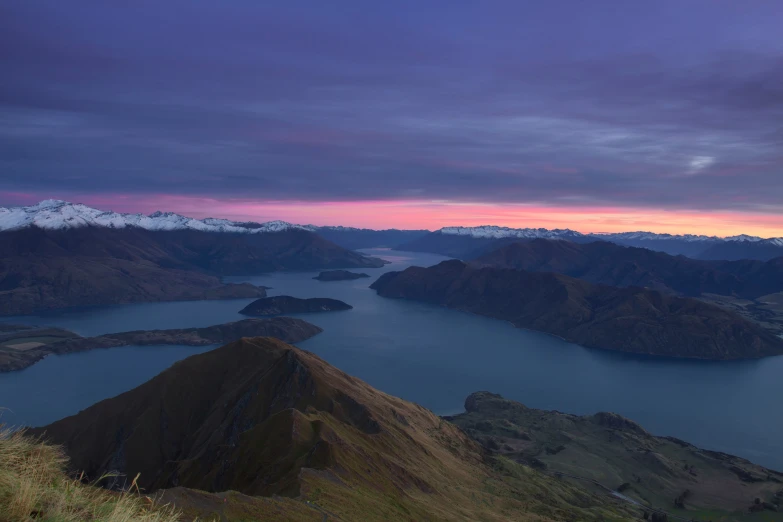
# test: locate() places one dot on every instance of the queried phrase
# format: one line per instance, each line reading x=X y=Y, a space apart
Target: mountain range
x=279 y=426
x=261 y=430
x=633 y=319
x=471 y=242
x=610 y=264
x=461 y=242
x=355 y=238
x=57 y=255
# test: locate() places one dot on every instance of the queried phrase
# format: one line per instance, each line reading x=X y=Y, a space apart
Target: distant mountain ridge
x=355 y=238
x=53 y=214
x=471 y=242
x=88 y=265
x=455 y=241
x=607 y=263
x=567 y=233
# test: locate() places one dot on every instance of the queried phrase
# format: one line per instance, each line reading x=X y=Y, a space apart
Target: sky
x=597 y=116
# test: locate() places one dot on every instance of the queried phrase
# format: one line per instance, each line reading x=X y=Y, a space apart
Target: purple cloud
x=666 y=104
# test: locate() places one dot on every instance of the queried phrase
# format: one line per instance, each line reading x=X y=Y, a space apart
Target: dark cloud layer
x=664 y=104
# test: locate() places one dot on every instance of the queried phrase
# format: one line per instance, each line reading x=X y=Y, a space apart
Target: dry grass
x=34 y=486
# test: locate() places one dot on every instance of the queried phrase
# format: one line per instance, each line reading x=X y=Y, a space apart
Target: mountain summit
x=263 y=418
x=53 y=214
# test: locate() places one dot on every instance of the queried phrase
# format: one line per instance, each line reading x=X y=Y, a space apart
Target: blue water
x=432 y=356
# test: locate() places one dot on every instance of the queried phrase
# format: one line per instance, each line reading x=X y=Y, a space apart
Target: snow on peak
x=54 y=214
x=495 y=232
x=50 y=203
x=681 y=237
x=650 y=236
x=744 y=237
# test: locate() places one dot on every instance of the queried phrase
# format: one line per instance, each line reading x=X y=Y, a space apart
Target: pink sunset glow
x=432 y=215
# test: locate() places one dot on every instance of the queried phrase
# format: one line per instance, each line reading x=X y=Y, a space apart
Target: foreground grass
x=34 y=486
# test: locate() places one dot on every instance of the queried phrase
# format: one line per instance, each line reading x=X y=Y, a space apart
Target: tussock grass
x=34 y=486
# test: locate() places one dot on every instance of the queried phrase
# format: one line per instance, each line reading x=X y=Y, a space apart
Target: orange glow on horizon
x=433 y=215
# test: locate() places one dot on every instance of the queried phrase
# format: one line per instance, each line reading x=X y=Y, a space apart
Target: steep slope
x=35 y=486
x=43 y=269
x=286 y=329
x=624 y=319
x=610 y=264
x=263 y=418
x=620 y=454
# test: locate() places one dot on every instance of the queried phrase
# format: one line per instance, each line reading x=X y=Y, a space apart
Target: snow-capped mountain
x=464 y=242
x=495 y=232
x=651 y=236
x=59 y=215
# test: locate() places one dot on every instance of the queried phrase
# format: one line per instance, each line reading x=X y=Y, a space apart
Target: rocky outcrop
x=339 y=275
x=284 y=328
x=285 y=304
x=634 y=320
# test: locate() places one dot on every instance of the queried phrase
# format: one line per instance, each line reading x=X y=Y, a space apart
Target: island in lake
x=22 y=346
x=339 y=275
x=285 y=304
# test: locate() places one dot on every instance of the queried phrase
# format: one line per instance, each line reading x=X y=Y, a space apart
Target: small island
x=25 y=346
x=339 y=275
x=285 y=304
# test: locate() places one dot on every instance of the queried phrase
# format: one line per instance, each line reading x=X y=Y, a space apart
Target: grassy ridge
x=34 y=486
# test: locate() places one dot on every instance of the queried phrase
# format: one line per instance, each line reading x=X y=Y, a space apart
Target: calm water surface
x=432 y=356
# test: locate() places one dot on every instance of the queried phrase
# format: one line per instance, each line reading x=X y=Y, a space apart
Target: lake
x=432 y=356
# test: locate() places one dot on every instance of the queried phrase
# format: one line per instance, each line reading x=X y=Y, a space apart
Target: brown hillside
x=51 y=269
x=620 y=454
x=263 y=418
x=610 y=264
x=632 y=320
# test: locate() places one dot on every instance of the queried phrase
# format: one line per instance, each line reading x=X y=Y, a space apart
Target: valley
x=427 y=354
x=333 y=442
x=391 y=261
